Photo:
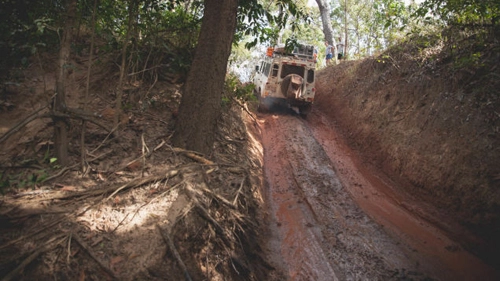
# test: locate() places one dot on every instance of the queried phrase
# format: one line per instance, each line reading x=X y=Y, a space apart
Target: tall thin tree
x=61 y=141
x=324 y=10
x=87 y=87
x=123 y=68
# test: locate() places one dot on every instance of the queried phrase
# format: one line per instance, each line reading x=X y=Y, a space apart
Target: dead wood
x=23 y=123
x=116 y=189
x=65 y=169
x=141 y=181
x=193 y=155
x=105 y=139
x=93 y=256
x=235 y=201
x=245 y=109
x=49 y=245
x=149 y=202
x=47 y=226
x=218 y=197
x=70 y=113
x=203 y=212
x=166 y=237
x=140 y=158
x=74 y=114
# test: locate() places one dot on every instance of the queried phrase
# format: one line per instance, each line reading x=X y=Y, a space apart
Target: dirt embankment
x=429 y=123
x=143 y=210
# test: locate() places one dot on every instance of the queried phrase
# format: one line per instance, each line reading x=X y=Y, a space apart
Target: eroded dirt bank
x=315 y=187
x=430 y=123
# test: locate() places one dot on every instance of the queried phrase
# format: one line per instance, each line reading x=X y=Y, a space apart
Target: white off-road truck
x=286 y=77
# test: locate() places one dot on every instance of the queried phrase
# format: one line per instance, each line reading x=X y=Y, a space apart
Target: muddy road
x=334 y=219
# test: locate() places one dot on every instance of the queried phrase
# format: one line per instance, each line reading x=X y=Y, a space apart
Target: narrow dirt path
x=313 y=192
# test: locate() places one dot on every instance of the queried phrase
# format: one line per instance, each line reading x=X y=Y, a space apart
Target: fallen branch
x=244 y=108
x=93 y=256
x=149 y=202
x=65 y=169
x=140 y=158
x=218 y=198
x=170 y=243
x=52 y=243
x=46 y=226
x=142 y=181
x=205 y=214
x=74 y=115
x=235 y=201
x=193 y=155
x=23 y=123
x=114 y=190
x=105 y=139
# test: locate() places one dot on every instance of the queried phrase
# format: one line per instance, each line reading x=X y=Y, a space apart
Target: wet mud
x=334 y=219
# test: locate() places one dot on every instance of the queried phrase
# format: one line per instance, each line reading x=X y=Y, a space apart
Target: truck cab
x=286 y=77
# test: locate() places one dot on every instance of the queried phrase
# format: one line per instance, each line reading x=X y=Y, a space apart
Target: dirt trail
x=322 y=234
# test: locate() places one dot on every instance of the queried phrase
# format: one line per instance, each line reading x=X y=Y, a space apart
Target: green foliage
x=24 y=29
x=22 y=180
x=234 y=88
x=264 y=23
x=461 y=12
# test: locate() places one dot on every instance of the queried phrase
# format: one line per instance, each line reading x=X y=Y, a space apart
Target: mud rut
x=320 y=233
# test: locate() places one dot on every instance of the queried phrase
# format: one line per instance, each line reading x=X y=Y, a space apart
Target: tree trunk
x=60 y=124
x=123 y=68
x=346 y=35
x=85 y=97
x=201 y=99
x=324 y=10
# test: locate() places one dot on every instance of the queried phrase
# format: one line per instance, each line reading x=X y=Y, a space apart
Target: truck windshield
x=288 y=69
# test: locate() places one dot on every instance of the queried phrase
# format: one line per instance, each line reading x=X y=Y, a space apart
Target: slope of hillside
x=429 y=118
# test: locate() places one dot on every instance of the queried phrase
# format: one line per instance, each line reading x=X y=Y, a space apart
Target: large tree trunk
x=60 y=124
x=324 y=10
x=201 y=99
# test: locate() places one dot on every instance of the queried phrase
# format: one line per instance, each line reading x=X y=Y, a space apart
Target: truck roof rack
x=301 y=51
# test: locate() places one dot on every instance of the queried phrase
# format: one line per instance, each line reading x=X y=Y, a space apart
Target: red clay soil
x=335 y=217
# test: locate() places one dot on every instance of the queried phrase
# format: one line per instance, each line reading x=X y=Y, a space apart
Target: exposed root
x=91 y=253
x=166 y=237
x=49 y=245
x=213 y=197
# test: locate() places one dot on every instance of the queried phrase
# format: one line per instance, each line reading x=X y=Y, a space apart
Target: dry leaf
x=99 y=240
x=116 y=260
x=82 y=275
x=68 y=188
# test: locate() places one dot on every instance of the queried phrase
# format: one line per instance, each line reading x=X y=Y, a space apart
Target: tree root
x=93 y=256
x=194 y=156
x=70 y=113
x=49 y=245
x=26 y=121
x=170 y=243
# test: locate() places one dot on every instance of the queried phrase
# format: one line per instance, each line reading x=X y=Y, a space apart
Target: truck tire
x=256 y=92
x=262 y=107
x=304 y=110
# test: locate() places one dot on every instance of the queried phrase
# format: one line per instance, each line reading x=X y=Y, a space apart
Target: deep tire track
x=323 y=235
